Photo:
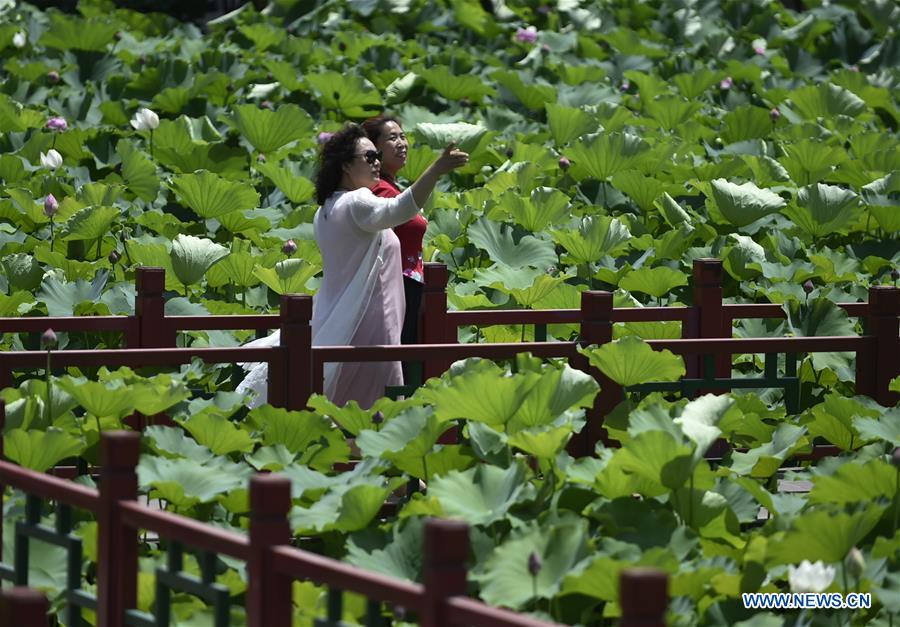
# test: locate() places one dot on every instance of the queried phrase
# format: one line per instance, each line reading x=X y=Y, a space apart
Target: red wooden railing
x=272 y=563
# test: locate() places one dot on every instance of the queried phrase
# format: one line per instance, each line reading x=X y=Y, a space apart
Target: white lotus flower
x=19 y=39
x=145 y=120
x=52 y=159
x=810 y=577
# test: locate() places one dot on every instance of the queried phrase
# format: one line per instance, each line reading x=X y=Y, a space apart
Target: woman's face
x=392 y=142
x=364 y=170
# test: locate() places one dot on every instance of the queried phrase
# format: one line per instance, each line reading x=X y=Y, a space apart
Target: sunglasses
x=371 y=156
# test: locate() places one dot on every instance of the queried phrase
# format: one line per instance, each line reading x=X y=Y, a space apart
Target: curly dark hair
x=339 y=150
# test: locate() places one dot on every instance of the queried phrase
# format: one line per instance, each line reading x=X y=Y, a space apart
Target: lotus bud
x=53 y=76
x=19 y=39
x=323 y=137
x=808 y=286
x=265 y=104
x=855 y=562
x=759 y=46
x=57 y=124
x=551 y=270
x=534 y=564
x=625 y=86
x=52 y=159
x=509 y=152
x=377 y=418
x=261 y=158
x=269 y=76
x=895 y=458
x=142 y=59
x=854 y=68
x=543 y=10
x=118 y=36
x=145 y=120
x=342 y=47
x=895 y=274
x=564 y=163
x=400 y=612
x=289 y=248
x=49 y=341
x=113 y=257
x=526 y=35
x=774 y=114
x=545 y=49
x=726 y=83
x=51 y=206
x=229 y=88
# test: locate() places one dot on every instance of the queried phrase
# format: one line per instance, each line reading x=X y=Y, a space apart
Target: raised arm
x=450 y=159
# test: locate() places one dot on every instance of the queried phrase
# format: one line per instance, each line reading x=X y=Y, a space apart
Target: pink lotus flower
x=49 y=340
x=324 y=136
x=289 y=248
x=526 y=35
x=726 y=83
x=57 y=124
x=774 y=114
x=53 y=76
x=564 y=163
x=51 y=206
x=760 y=50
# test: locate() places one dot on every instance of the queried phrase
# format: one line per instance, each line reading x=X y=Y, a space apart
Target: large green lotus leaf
x=263 y=35
x=692 y=85
x=47 y=563
x=210 y=195
x=236 y=268
x=294 y=185
x=601 y=155
x=743 y=204
x=158 y=394
x=671 y=111
x=593 y=238
x=643 y=190
x=62 y=297
x=745 y=122
x=883 y=199
x=399 y=89
x=546 y=206
x=271 y=458
x=672 y=211
x=764 y=461
x=465 y=136
x=821 y=209
x=288 y=277
x=153 y=255
x=353 y=419
x=833 y=419
x=809 y=161
x=648 y=330
x=267 y=131
x=99 y=399
x=40 y=450
x=456 y=394
x=657 y=457
x=176 y=145
x=542 y=442
x=455 y=87
x=170 y=442
x=442 y=459
x=192 y=257
x=90 y=223
x=23 y=272
x=313 y=436
x=631 y=361
x=505 y=578
x=558 y=391
x=506 y=278
x=345 y=509
x=244 y=221
x=214 y=431
x=498 y=242
x=568 y=123
x=99 y=194
x=184 y=482
x=9 y=305
x=400 y=559
x=480 y=495
x=855 y=483
x=138 y=171
x=820 y=317
x=68 y=32
x=699 y=421
x=656 y=282
x=531 y=94
x=356 y=97
x=826 y=100
x=823 y=535
x=413 y=433
x=886 y=428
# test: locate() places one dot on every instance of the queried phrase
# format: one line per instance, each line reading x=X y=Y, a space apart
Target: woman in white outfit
x=360 y=300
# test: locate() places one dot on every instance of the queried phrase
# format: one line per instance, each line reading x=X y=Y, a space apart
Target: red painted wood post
x=446 y=551
x=434 y=327
x=268 y=593
x=596 y=328
x=884 y=365
x=2 y=487
x=150 y=310
x=23 y=607
x=296 y=342
x=117 y=561
x=643 y=597
x=707 y=288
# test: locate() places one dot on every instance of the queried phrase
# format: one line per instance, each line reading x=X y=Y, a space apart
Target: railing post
x=268 y=592
x=875 y=371
x=117 y=561
x=150 y=310
x=446 y=550
x=711 y=323
x=643 y=597
x=596 y=328
x=433 y=323
x=296 y=342
x=23 y=607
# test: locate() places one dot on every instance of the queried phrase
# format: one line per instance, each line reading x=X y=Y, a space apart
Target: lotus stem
x=151 y=143
x=49 y=405
x=51 y=234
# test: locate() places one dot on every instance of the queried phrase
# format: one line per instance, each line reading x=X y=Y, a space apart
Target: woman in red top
x=388 y=137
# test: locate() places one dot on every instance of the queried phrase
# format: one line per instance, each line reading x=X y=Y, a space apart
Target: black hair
x=339 y=150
